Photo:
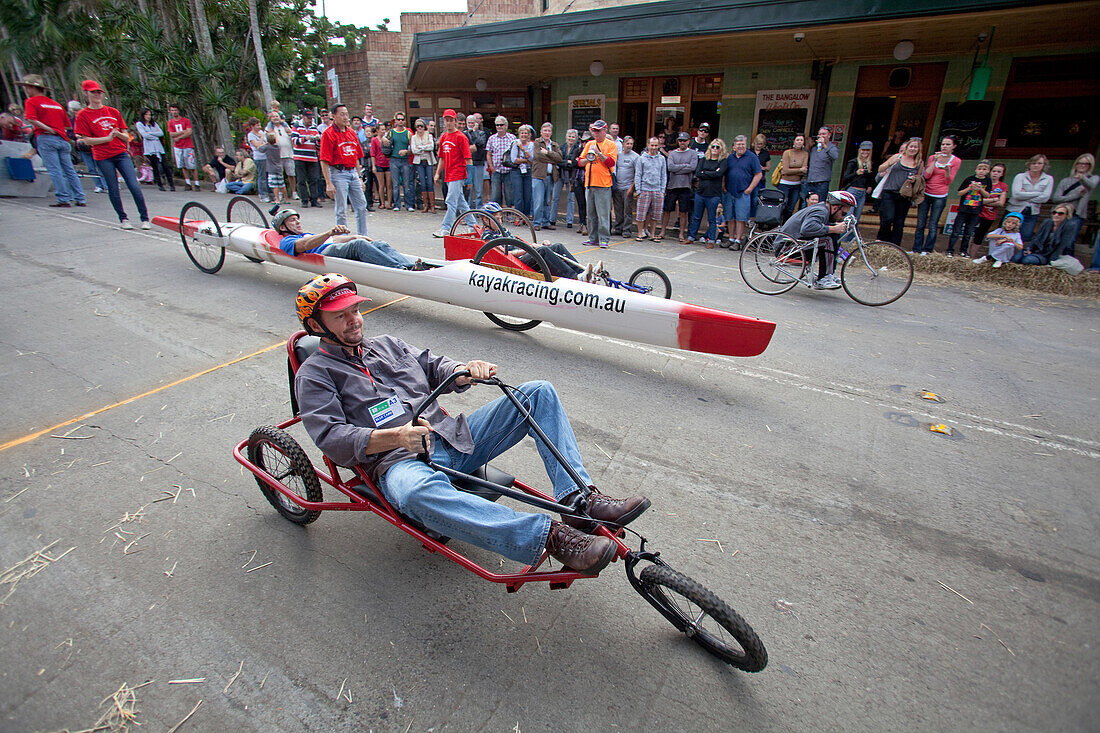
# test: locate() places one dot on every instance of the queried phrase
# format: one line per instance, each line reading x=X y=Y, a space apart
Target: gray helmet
x=281 y=218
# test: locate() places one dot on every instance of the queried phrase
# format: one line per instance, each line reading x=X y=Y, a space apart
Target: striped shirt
x=305 y=141
x=497 y=146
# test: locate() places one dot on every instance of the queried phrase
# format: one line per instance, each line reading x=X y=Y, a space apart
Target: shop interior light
x=903 y=50
x=481 y=84
x=596 y=67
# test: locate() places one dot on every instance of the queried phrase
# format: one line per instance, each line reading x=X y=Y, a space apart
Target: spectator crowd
x=703 y=188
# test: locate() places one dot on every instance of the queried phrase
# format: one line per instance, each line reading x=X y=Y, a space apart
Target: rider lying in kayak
x=336 y=242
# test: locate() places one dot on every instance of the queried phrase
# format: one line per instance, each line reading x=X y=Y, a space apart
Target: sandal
x=639 y=239
x=684 y=241
x=656 y=239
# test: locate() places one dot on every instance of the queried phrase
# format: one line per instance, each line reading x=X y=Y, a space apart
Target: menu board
x=780 y=126
x=969 y=122
x=584 y=110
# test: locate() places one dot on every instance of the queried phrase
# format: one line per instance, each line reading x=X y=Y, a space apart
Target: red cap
x=340 y=298
x=89 y=85
x=450 y=113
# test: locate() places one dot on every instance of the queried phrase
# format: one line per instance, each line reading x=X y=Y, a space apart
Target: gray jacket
x=821 y=163
x=336 y=392
x=681 y=167
x=1079 y=195
x=624 y=170
x=650 y=172
x=810 y=222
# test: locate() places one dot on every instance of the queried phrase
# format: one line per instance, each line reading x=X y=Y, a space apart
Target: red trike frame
x=558 y=579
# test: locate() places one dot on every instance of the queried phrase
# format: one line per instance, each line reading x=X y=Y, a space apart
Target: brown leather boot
x=605 y=509
x=578 y=551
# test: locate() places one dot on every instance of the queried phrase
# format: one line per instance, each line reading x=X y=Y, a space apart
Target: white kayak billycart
x=293 y=484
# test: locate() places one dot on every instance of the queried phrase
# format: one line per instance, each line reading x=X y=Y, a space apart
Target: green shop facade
x=1009 y=79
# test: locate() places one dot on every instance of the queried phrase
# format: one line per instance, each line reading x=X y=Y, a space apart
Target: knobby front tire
x=654 y=279
x=704 y=617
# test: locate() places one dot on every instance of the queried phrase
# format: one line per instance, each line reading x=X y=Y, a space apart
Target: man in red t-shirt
x=179 y=129
x=48 y=119
x=454 y=156
x=340 y=155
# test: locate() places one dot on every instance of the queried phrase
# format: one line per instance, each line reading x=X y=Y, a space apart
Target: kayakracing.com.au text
x=547 y=292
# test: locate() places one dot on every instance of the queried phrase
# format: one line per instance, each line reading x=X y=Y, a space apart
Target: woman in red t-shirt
x=103 y=128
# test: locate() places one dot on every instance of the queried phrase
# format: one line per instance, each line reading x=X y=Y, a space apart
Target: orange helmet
x=335 y=290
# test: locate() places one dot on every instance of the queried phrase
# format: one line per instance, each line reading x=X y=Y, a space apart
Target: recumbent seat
x=305 y=346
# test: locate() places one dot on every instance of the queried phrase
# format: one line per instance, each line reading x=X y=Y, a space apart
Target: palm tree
x=261 y=62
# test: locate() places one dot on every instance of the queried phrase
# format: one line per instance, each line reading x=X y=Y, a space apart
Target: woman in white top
x=523 y=155
x=422 y=147
x=256 y=139
x=1030 y=190
x=281 y=129
x=153 y=148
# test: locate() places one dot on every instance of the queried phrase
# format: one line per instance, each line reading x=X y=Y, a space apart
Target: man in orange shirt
x=598 y=161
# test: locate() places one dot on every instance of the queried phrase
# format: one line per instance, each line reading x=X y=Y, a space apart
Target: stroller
x=769 y=209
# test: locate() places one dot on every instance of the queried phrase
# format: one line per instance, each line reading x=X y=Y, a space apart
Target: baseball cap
x=598 y=125
x=307 y=113
x=704 y=125
x=683 y=136
x=450 y=113
x=866 y=145
x=90 y=85
x=339 y=299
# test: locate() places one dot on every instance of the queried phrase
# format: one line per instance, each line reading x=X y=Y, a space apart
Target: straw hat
x=33 y=80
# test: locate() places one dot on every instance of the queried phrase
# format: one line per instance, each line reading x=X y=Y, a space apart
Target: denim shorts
x=739 y=205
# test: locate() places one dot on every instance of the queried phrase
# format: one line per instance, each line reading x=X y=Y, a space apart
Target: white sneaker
x=125 y=224
x=99 y=189
x=998 y=263
x=295 y=195
x=146 y=225
x=586 y=276
x=829 y=282
x=923 y=254
x=980 y=260
x=440 y=234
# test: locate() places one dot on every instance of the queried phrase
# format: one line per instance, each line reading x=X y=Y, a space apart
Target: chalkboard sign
x=781 y=126
x=584 y=110
x=969 y=122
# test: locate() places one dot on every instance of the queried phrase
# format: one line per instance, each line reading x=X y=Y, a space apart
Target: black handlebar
x=451 y=378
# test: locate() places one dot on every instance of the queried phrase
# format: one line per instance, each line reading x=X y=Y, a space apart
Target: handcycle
x=292 y=484
x=483 y=237
x=872 y=273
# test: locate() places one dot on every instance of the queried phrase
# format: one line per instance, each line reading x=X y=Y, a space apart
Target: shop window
x=1049 y=107
x=636 y=90
x=420 y=102
x=484 y=101
x=513 y=102
x=708 y=86
x=449 y=102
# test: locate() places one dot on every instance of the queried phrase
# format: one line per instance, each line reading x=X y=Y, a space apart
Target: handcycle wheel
x=654 y=280
x=474 y=221
x=504 y=244
x=207 y=257
x=244 y=210
x=772 y=263
x=278 y=454
x=879 y=275
x=704 y=617
x=510 y=214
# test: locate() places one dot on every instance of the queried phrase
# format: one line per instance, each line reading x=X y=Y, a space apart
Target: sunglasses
x=500 y=124
x=715 y=147
x=1059 y=213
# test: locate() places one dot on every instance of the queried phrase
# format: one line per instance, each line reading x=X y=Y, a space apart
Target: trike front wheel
x=878 y=273
x=274 y=451
x=653 y=281
x=704 y=617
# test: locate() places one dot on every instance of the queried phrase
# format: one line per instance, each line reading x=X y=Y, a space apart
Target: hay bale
x=1037 y=278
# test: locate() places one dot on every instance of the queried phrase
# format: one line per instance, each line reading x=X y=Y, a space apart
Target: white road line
x=98 y=222
x=852 y=393
x=684 y=256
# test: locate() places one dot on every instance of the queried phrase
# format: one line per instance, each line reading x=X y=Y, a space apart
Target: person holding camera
x=598 y=161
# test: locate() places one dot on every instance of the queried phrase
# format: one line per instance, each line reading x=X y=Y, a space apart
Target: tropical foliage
x=149 y=53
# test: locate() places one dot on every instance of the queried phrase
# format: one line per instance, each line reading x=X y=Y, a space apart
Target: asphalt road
x=901 y=579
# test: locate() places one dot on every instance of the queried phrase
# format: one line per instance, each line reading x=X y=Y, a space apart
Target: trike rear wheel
x=704 y=617
x=542 y=271
x=278 y=454
x=772 y=263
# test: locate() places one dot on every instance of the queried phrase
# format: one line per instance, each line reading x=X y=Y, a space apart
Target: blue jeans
x=456 y=205
x=540 y=194
x=500 y=188
x=239 y=187
x=821 y=188
x=521 y=191
x=1074 y=224
x=111 y=169
x=57 y=156
x=401 y=177
x=417 y=491
x=261 y=178
x=373 y=253
x=792 y=193
x=1027 y=228
x=475 y=179
x=93 y=169
x=711 y=205
x=928 y=215
x=348 y=185
x=1021 y=259
x=556 y=201
x=424 y=173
